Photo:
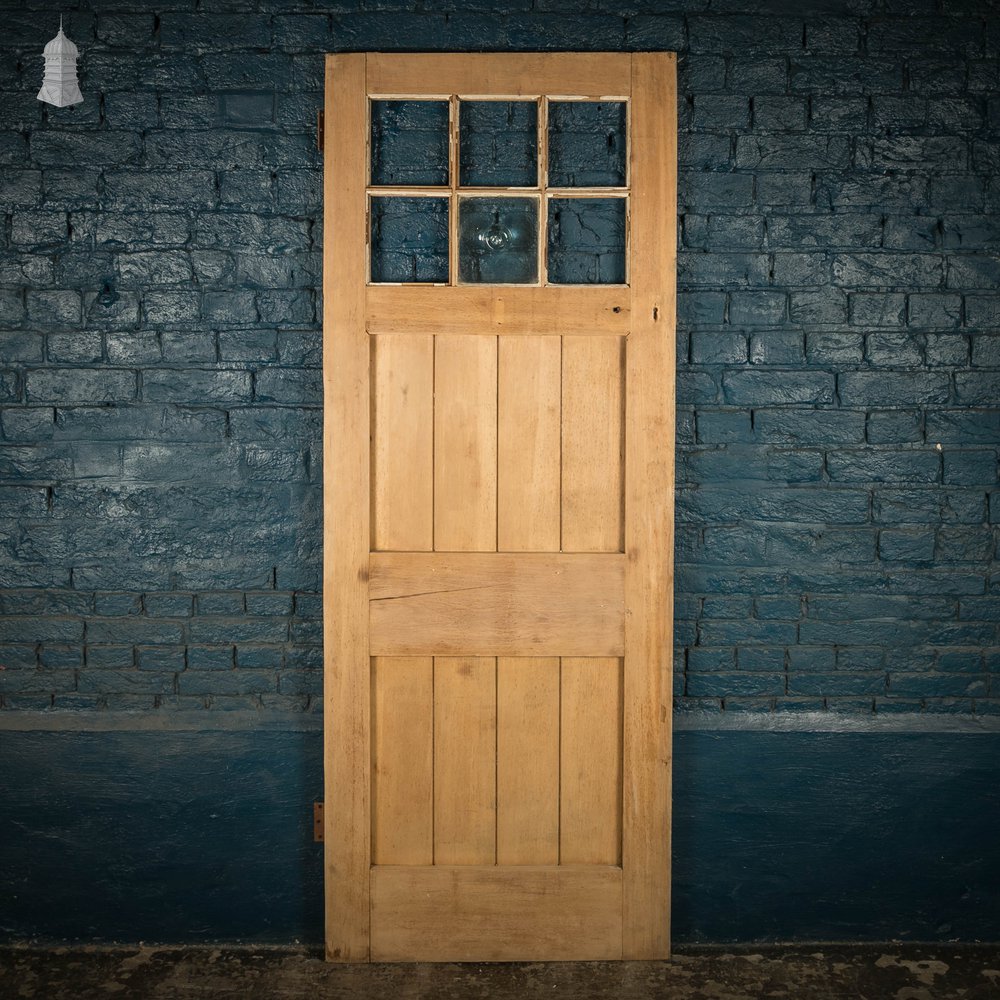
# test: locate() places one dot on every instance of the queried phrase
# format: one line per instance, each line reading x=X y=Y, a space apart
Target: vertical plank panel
x=529 y=378
x=591 y=775
x=592 y=412
x=464 y=760
x=403 y=443
x=346 y=506
x=528 y=447
x=527 y=761
x=465 y=443
x=403 y=760
x=649 y=493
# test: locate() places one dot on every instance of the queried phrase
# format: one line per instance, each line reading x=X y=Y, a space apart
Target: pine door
x=499 y=390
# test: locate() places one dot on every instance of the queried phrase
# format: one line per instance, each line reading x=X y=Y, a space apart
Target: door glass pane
x=587 y=145
x=586 y=241
x=409 y=239
x=498 y=240
x=409 y=142
x=498 y=143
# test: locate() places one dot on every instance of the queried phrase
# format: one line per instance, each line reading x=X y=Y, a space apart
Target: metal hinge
x=320 y=130
x=318 y=822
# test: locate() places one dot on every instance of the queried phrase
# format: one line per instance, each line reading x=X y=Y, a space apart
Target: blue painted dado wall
x=838 y=596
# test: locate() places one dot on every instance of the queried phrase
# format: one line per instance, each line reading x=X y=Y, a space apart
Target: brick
x=884 y=388
x=777 y=347
x=822 y=306
x=810 y=658
x=770 y=658
x=125 y=681
x=840 y=76
x=834 y=348
x=946 y=349
x=801 y=269
x=210 y=657
x=964 y=426
x=884 y=466
x=107 y=148
x=725 y=685
x=792 y=152
x=716 y=504
x=693 y=309
x=895 y=350
x=860 y=270
x=894 y=427
x=964 y=543
x=906 y=545
x=254 y=629
x=718 y=348
x=848 y=230
x=227 y=682
x=168 y=605
x=986 y=351
x=795 y=466
x=54 y=307
x=288 y=385
x=785 y=190
x=723 y=426
x=757 y=75
x=777 y=608
x=768 y=388
x=927 y=685
x=721 y=112
x=77 y=347
x=977 y=388
x=918 y=234
x=159 y=267
x=779 y=114
x=921 y=506
x=971 y=468
x=154 y=189
x=757 y=308
x=196 y=386
x=86 y=385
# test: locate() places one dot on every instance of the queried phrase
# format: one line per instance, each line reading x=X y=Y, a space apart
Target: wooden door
x=499 y=388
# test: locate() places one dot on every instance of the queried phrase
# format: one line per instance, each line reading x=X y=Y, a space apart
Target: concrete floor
x=818 y=972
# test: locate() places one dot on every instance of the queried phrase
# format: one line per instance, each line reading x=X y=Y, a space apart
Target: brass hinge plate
x=318 y=822
x=320 y=130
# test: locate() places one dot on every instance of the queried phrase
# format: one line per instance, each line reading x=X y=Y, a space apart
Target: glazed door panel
x=498 y=531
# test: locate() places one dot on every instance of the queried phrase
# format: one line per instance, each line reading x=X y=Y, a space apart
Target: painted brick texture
x=838 y=347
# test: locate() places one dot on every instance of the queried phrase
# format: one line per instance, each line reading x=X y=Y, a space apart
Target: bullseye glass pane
x=587 y=146
x=409 y=142
x=409 y=239
x=586 y=241
x=498 y=143
x=498 y=240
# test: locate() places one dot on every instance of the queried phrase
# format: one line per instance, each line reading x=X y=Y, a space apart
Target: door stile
x=346 y=514
x=649 y=486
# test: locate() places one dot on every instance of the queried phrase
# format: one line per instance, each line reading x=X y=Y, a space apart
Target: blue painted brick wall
x=838 y=346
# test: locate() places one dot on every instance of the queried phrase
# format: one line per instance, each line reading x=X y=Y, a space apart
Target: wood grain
x=465 y=739
x=590 y=787
x=465 y=444
x=473 y=914
x=346 y=505
x=592 y=444
x=527 y=761
x=649 y=492
x=528 y=447
x=504 y=604
x=472 y=310
x=403 y=760
x=579 y=74
x=403 y=443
